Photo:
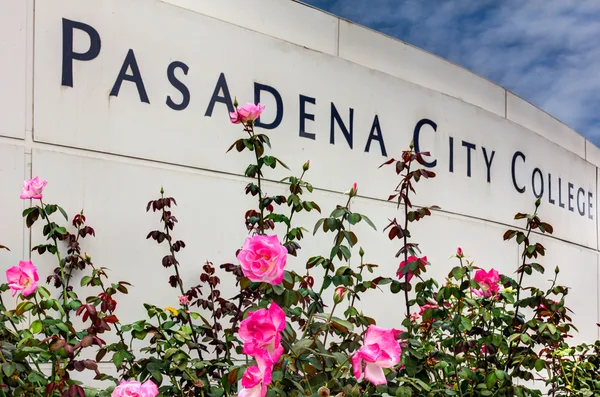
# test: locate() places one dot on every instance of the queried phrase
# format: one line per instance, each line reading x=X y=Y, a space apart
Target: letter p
x=69 y=54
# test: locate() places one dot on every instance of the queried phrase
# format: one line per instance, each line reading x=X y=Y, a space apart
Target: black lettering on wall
x=560 y=203
x=571 y=197
x=416 y=135
x=258 y=88
x=306 y=116
x=185 y=92
x=488 y=163
x=537 y=171
x=513 y=171
x=469 y=146
x=337 y=119
x=451 y=154
x=376 y=135
x=550 y=199
x=217 y=97
x=580 y=204
x=590 y=206
x=69 y=55
x=135 y=77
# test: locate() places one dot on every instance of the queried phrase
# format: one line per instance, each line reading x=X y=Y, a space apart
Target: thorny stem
x=249 y=128
x=405 y=246
x=117 y=327
x=293 y=210
x=212 y=297
x=328 y=325
x=239 y=310
x=60 y=265
x=312 y=311
x=180 y=282
x=71 y=268
x=457 y=321
x=510 y=347
x=261 y=220
x=360 y=274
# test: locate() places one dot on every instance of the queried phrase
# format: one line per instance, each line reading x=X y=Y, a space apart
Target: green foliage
x=463 y=337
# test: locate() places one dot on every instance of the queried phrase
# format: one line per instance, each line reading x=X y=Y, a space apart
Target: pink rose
x=23 y=277
x=32 y=188
x=263 y=259
x=260 y=332
x=234 y=117
x=409 y=273
x=248 y=112
x=339 y=294
x=414 y=317
x=380 y=350
x=256 y=379
x=353 y=190
x=546 y=311
x=488 y=281
x=184 y=300
x=134 y=388
x=426 y=307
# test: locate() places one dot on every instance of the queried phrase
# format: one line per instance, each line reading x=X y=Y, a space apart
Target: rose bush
x=475 y=333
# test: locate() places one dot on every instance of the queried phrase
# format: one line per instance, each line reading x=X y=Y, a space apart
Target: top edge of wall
x=308 y=26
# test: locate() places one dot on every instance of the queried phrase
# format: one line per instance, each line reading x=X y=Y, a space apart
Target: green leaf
x=302 y=345
x=353 y=219
x=458 y=272
x=466 y=323
x=345 y=252
x=9 y=368
x=499 y=374
x=395 y=287
x=539 y=365
x=411 y=366
x=338 y=212
x=29 y=210
x=348 y=327
x=278 y=289
x=44 y=292
x=118 y=358
x=369 y=222
x=318 y=225
x=62 y=327
x=530 y=249
x=64 y=213
x=32 y=217
x=50 y=209
x=36 y=327
x=403 y=391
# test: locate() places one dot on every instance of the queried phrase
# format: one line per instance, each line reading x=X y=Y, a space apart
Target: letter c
x=514 y=178
x=416 y=134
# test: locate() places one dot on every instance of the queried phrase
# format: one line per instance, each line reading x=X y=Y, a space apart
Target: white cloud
x=543 y=50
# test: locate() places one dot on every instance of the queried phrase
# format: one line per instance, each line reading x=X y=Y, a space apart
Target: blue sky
x=546 y=51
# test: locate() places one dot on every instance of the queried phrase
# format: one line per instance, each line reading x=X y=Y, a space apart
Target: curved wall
x=110 y=101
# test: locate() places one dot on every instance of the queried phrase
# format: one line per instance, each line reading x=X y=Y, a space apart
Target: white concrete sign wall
x=129 y=95
x=13 y=76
